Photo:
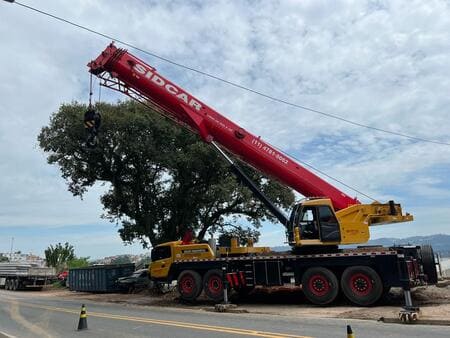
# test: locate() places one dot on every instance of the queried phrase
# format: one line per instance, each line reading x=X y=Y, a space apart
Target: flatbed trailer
x=20 y=276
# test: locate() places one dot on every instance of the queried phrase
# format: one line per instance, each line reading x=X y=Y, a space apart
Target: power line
x=325 y=174
x=234 y=84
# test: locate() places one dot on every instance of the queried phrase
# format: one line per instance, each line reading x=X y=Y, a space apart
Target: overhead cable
x=234 y=84
x=218 y=79
x=324 y=174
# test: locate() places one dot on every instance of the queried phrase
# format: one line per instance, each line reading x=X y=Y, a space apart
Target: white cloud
x=382 y=63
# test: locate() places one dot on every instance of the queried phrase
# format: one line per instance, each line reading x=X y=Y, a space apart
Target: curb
x=443 y=283
x=231 y=308
x=225 y=307
x=441 y=322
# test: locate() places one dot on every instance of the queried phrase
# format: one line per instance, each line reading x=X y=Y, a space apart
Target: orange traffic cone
x=82 y=323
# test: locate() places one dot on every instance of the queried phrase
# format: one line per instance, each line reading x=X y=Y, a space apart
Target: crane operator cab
x=313 y=222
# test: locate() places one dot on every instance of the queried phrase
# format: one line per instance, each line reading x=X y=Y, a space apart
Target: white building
x=24 y=258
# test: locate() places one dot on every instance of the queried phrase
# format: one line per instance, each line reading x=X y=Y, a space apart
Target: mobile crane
x=316 y=226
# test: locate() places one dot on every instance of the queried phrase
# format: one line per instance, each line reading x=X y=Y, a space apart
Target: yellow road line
x=204 y=327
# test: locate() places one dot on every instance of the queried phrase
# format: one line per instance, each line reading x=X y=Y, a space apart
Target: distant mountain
x=280 y=248
x=439 y=242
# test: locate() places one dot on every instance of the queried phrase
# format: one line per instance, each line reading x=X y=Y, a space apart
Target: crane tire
x=320 y=285
x=429 y=264
x=213 y=285
x=189 y=285
x=361 y=285
x=14 y=284
x=7 y=284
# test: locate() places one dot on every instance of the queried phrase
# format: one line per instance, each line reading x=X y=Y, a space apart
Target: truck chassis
x=363 y=275
x=21 y=276
x=21 y=283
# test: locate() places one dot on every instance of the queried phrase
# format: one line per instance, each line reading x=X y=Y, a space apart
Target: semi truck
x=317 y=226
x=20 y=276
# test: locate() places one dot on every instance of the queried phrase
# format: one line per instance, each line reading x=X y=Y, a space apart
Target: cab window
x=161 y=252
x=308 y=223
x=293 y=214
x=326 y=215
x=308 y=215
x=329 y=225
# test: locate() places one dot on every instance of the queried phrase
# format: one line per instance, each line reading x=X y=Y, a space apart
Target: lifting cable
x=324 y=174
x=90 y=90
x=92 y=119
x=99 y=92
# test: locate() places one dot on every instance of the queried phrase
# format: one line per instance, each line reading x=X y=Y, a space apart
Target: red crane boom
x=126 y=73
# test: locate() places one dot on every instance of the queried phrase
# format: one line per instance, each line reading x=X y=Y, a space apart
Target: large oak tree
x=161 y=178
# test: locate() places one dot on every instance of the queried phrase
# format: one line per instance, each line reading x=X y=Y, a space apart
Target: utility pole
x=10 y=252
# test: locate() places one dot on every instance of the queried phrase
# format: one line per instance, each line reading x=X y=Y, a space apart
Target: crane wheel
x=7 y=284
x=14 y=285
x=213 y=285
x=429 y=264
x=320 y=285
x=189 y=285
x=361 y=285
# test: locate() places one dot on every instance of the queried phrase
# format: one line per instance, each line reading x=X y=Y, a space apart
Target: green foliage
x=78 y=262
x=143 y=262
x=161 y=178
x=229 y=231
x=59 y=284
x=3 y=259
x=59 y=255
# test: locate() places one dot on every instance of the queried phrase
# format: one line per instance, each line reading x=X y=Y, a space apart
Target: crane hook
x=92 y=120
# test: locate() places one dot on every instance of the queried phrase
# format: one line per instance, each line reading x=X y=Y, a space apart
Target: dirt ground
x=434 y=303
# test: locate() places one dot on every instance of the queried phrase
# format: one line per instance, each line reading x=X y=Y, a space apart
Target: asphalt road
x=27 y=314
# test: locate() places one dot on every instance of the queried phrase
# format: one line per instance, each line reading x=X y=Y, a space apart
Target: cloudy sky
x=381 y=63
